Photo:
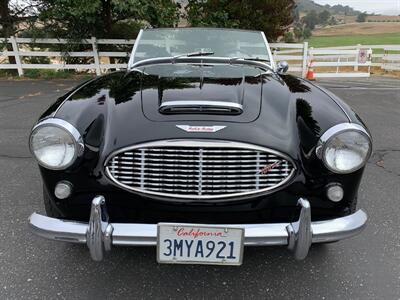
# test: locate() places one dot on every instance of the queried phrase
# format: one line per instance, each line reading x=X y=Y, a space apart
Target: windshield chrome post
x=271 y=58
x=130 y=63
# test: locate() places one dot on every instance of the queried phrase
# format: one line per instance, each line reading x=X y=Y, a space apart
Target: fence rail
x=331 y=62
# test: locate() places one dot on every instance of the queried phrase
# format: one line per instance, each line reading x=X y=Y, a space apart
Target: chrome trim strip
x=100 y=234
x=74 y=133
x=331 y=133
x=205 y=144
x=234 y=107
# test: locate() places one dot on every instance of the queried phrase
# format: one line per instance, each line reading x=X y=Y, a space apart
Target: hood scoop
x=201 y=90
x=200 y=107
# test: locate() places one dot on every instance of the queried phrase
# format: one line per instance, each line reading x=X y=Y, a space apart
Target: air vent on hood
x=201 y=107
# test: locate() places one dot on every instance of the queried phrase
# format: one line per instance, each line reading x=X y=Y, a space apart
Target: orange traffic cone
x=310 y=73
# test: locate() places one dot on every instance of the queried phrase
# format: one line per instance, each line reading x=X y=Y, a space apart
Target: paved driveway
x=366 y=267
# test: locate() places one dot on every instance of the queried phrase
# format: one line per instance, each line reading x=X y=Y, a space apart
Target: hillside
x=358 y=29
x=304 y=6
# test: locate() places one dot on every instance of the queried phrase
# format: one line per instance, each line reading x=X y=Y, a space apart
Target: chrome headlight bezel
x=333 y=132
x=67 y=128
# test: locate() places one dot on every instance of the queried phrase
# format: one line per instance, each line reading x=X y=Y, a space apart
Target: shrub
x=32 y=73
x=47 y=74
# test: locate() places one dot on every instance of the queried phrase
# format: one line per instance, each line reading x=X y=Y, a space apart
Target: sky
x=385 y=7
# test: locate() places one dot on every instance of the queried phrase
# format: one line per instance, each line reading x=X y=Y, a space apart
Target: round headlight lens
x=54 y=147
x=347 y=151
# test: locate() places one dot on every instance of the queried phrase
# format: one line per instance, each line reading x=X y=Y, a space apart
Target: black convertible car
x=202 y=146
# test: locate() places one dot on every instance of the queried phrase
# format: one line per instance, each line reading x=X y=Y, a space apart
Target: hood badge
x=189 y=128
x=268 y=168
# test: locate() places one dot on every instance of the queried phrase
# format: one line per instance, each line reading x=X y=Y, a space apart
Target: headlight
x=55 y=144
x=345 y=148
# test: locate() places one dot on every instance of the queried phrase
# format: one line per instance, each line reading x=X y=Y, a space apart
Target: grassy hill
x=356 y=33
x=358 y=29
x=351 y=40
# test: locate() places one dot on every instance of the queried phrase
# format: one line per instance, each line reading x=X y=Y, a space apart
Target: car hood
x=284 y=113
x=197 y=92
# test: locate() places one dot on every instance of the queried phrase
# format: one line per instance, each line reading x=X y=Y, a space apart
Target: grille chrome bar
x=198 y=169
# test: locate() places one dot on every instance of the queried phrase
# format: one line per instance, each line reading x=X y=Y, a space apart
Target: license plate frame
x=238 y=231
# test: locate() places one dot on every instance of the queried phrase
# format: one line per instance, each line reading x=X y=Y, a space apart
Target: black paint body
x=280 y=112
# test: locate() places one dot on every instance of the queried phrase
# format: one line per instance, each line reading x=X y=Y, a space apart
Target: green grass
x=351 y=40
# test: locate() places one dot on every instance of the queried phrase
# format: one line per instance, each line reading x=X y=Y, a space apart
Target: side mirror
x=282 y=67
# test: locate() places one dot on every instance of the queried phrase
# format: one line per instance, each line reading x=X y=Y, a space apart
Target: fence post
x=305 y=60
x=96 y=56
x=16 y=55
x=357 y=57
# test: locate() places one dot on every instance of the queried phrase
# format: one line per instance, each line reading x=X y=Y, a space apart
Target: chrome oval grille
x=199 y=169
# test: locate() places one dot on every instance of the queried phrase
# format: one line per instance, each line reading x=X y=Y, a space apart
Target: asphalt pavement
x=365 y=267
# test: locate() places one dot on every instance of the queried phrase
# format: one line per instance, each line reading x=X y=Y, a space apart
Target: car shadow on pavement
x=274 y=268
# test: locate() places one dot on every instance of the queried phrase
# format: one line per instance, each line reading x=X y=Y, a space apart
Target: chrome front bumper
x=100 y=235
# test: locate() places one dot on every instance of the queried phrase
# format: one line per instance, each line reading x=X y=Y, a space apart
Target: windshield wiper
x=192 y=54
x=198 y=53
x=256 y=59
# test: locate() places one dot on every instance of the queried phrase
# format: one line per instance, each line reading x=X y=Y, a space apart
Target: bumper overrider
x=99 y=235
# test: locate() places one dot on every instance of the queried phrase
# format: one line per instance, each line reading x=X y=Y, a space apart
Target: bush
x=36 y=60
x=361 y=18
x=32 y=73
x=56 y=74
x=47 y=74
x=8 y=73
x=288 y=37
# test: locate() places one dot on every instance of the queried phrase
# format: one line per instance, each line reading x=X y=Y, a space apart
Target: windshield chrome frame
x=132 y=64
x=200 y=60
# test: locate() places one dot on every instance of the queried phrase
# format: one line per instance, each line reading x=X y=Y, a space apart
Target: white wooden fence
x=330 y=62
x=97 y=65
x=295 y=54
x=391 y=58
x=339 y=58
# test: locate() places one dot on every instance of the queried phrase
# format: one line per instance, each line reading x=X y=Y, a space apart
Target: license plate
x=199 y=244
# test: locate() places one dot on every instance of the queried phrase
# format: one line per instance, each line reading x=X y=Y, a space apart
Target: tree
x=323 y=17
x=311 y=19
x=332 y=21
x=361 y=17
x=307 y=33
x=271 y=16
x=11 y=15
x=288 y=37
x=298 y=32
x=301 y=32
x=76 y=19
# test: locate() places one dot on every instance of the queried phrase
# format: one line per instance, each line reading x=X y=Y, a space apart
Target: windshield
x=215 y=42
